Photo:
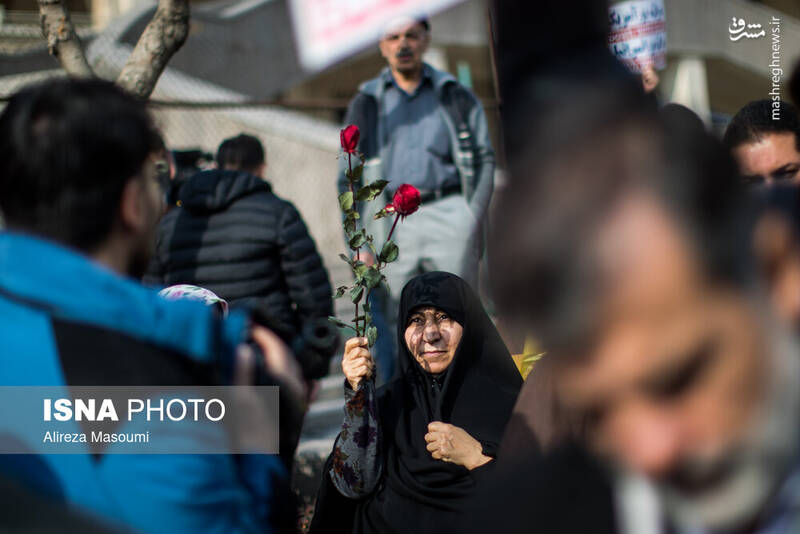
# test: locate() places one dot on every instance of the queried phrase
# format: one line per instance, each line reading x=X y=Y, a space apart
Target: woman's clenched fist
x=357 y=363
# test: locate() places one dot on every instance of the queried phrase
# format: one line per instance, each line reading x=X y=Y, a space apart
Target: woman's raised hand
x=357 y=363
x=453 y=444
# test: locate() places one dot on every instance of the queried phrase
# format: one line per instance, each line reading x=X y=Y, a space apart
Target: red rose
x=349 y=137
x=406 y=200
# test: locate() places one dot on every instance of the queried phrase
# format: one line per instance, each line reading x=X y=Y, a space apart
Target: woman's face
x=432 y=337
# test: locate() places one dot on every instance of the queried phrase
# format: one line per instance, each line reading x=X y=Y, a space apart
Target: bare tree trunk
x=62 y=41
x=162 y=37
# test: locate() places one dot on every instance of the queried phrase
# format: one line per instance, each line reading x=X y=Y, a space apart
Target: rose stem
x=358 y=250
x=396 y=218
x=369 y=291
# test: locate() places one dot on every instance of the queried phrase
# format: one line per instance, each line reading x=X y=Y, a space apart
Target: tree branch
x=162 y=37
x=62 y=41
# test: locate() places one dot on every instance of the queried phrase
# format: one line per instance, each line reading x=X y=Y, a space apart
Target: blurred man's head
x=76 y=168
x=652 y=306
x=765 y=141
x=242 y=153
x=403 y=45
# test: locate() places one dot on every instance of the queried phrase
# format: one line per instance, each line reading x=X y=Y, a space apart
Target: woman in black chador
x=410 y=455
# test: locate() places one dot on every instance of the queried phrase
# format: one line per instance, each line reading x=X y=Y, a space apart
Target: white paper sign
x=638 y=33
x=329 y=30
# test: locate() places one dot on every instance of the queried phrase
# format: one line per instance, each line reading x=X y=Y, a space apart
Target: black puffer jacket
x=232 y=235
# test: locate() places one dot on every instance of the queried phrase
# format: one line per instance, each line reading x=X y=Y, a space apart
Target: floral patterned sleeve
x=356 y=466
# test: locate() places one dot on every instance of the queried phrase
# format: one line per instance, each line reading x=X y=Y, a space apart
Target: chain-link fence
x=195 y=114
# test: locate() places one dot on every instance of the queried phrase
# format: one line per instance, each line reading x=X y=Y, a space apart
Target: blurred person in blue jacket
x=80 y=196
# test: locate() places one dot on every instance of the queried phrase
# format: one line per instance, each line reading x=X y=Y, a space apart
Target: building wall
x=736 y=72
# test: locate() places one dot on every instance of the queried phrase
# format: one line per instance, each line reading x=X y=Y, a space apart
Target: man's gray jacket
x=464 y=116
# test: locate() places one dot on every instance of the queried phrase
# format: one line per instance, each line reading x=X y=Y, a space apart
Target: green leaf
x=346 y=259
x=358 y=239
x=346 y=201
x=364 y=194
x=356 y=293
x=359 y=268
x=340 y=324
x=353 y=215
x=378 y=186
x=340 y=292
x=349 y=226
x=372 y=335
x=372 y=277
x=389 y=252
x=371 y=191
x=357 y=172
x=368 y=318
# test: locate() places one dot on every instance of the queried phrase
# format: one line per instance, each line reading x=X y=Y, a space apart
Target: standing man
x=232 y=235
x=420 y=126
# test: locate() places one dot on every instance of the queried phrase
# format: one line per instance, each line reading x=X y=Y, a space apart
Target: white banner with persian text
x=638 y=33
x=327 y=31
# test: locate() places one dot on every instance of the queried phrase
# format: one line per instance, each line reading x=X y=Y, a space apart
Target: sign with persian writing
x=638 y=33
x=329 y=30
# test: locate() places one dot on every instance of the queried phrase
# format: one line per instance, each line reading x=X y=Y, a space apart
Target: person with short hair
x=656 y=313
x=232 y=235
x=242 y=153
x=79 y=191
x=764 y=138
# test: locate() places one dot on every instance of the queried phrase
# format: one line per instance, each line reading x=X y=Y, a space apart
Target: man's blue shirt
x=417 y=145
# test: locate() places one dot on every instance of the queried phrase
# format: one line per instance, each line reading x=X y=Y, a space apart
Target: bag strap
x=364 y=114
x=459 y=103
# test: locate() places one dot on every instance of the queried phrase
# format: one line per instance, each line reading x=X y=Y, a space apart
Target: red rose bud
x=406 y=200
x=349 y=137
x=389 y=208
